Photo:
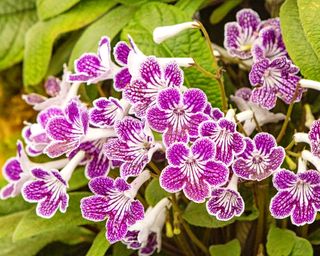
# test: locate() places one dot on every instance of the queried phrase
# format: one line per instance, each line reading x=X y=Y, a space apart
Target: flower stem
x=290 y=146
x=154 y=167
x=285 y=123
x=208 y=41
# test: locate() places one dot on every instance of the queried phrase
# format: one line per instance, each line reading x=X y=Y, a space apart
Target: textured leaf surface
x=190 y=6
x=154 y=193
x=302 y=247
x=231 y=248
x=100 y=245
x=280 y=241
x=189 y=43
x=50 y=8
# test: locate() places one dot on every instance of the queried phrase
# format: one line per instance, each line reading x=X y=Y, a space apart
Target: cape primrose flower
x=193 y=170
x=178 y=116
x=134 y=146
x=143 y=92
x=260 y=159
x=298 y=195
x=225 y=203
x=272 y=79
x=114 y=199
x=240 y=36
x=49 y=189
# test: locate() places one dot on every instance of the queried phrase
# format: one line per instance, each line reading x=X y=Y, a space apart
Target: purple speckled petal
x=88 y=64
x=47 y=114
x=98 y=166
x=157 y=119
x=94 y=208
x=128 y=128
x=303 y=214
x=121 y=184
x=248 y=18
x=281 y=204
x=284 y=179
x=116 y=149
x=59 y=128
x=314 y=137
x=264 y=142
x=173 y=75
x=257 y=71
x=249 y=148
x=216 y=174
x=121 y=79
x=101 y=185
x=203 y=149
x=208 y=128
x=195 y=100
x=52 y=86
x=238 y=143
x=264 y=97
x=288 y=88
x=35 y=191
x=197 y=192
x=136 y=212
x=194 y=123
x=178 y=152
x=169 y=99
x=171 y=136
x=40 y=173
x=12 y=169
x=311 y=177
x=135 y=91
x=150 y=70
x=134 y=167
x=116 y=229
x=48 y=207
x=121 y=52
x=172 y=179
x=276 y=158
x=56 y=149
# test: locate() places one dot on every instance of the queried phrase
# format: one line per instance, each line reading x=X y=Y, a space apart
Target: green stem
x=290 y=146
x=154 y=168
x=208 y=41
x=285 y=123
x=290 y=153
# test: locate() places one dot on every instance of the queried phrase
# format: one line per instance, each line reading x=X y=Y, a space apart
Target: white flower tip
x=301 y=137
x=302 y=165
x=230 y=114
x=161 y=34
x=244 y=115
x=309 y=84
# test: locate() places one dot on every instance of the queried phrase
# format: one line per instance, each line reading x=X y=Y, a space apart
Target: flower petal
x=101 y=185
x=284 y=179
x=157 y=119
x=94 y=208
x=169 y=99
x=172 y=179
x=216 y=174
x=195 y=100
x=265 y=142
x=48 y=207
x=281 y=205
x=35 y=190
x=128 y=128
x=197 y=192
x=150 y=70
x=122 y=79
x=203 y=149
x=178 y=153
x=12 y=169
x=303 y=214
x=98 y=166
x=265 y=97
x=136 y=212
x=116 y=229
x=174 y=135
x=121 y=52
x=173 y=75
x=135 y=166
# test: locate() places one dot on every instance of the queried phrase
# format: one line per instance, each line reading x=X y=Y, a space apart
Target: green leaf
x=280 y=241
x=231 y=248
x=78 y=179
x=108 y=25
x=16 y=17
x=41 y=37
x=222 y=10
x=120 y=249
x=302 y=247
x=9 y=222
x=12 y=205
x=190 y=6
x=296 y=41
x=197 y=215
x=50 y=8
x=190 y=43
x=314 y=237
x=100 y=245
x=154 y=193
x=61 y=221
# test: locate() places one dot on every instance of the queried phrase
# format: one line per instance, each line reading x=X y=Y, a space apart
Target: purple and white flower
x=193 y=170
x=242 y=99
x=92 y=68
x=272 y=79
x=49 y=189
x=260 y=159
x=214 y=113
x=227 y=140
x=114 y=199
x=142 y=92
x=178 y=115
x=241 y=35
x=225 y=203
x=298 y=195
x=145 y=235
x=134 y=146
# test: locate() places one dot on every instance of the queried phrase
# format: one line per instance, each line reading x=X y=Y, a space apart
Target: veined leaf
x=50 y=8
x=190 y=6
x=100 y=245
x=154 y=193
x=222 y=10
x=231 y=248
x=280 y=241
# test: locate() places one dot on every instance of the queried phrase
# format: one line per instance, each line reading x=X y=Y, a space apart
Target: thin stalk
x=290 y=153
x=155 y=168
x=304 y=230
x=257 y=123
x=208 y=41
x=290 y=146
x=224 y=98
x=285 y=123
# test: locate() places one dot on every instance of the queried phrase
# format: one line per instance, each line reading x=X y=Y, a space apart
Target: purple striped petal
x=197 y=192
x=284 y=179
x=281 y=204
x=122 y=79
x=264 y=142
x=121 y=52
x=195 y=100
x=116 y=230
x=94 y=208
x=169 y=99
x=172 y=179
x=264 y=97
x=178 y=153
x=203 y=149
x=35 y=191
x=101 y=185
x=12 y=169
x=216 y=174
x=157 y=119
x=173 y=75
x=150 y=70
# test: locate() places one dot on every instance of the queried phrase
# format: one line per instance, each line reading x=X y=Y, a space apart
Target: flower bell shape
x=114 y=199
x=298 y=196
x=193 y=170
x=92 y=68
x=260 y=159
x=240 y=36
x=242 y=99
x=142 y=92
x=226 y=203
x=35 y=135
x=272 y=79
x=134 y=146
x=49 y=189
x=178 y=115
x=227 y=140
x=132 y=242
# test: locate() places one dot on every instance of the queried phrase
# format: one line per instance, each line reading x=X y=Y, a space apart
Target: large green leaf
x=32 y=225
x=16 y=17
x=41 y=37
x=231 y=248
x=100 y=245
x=9 y=222
x=302 y=247
x=50 y=8
x=188 y=44
x=154 y=193
x=280 y=241
x=222 y=10
x=296 y=40
x=190 y=6
x=12 y=205
x=108 y=25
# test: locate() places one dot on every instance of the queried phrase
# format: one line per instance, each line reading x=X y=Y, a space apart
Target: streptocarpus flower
x=178 y=116
x=260 y=159
x=298 y=196
x=214 y=113
x=193 y=170
x=143 y=92
x=17 y=169
x=240 y=36
x=227 y=140
x=145 y=235
x=92 y=68
x=49 y=189
x=114 y=199
x=314 y=137
x=276 y=78
x=134 y=146
x=225 y=203
x=243 y=101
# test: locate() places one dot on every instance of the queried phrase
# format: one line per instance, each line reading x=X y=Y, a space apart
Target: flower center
x=179 y=111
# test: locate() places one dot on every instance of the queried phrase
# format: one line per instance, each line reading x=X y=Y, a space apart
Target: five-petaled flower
x=114 y=199
x=272 y=79
x=178 y=116
x=260 y=159
x=134 y=146
x=240 y=36
x=193 y=170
